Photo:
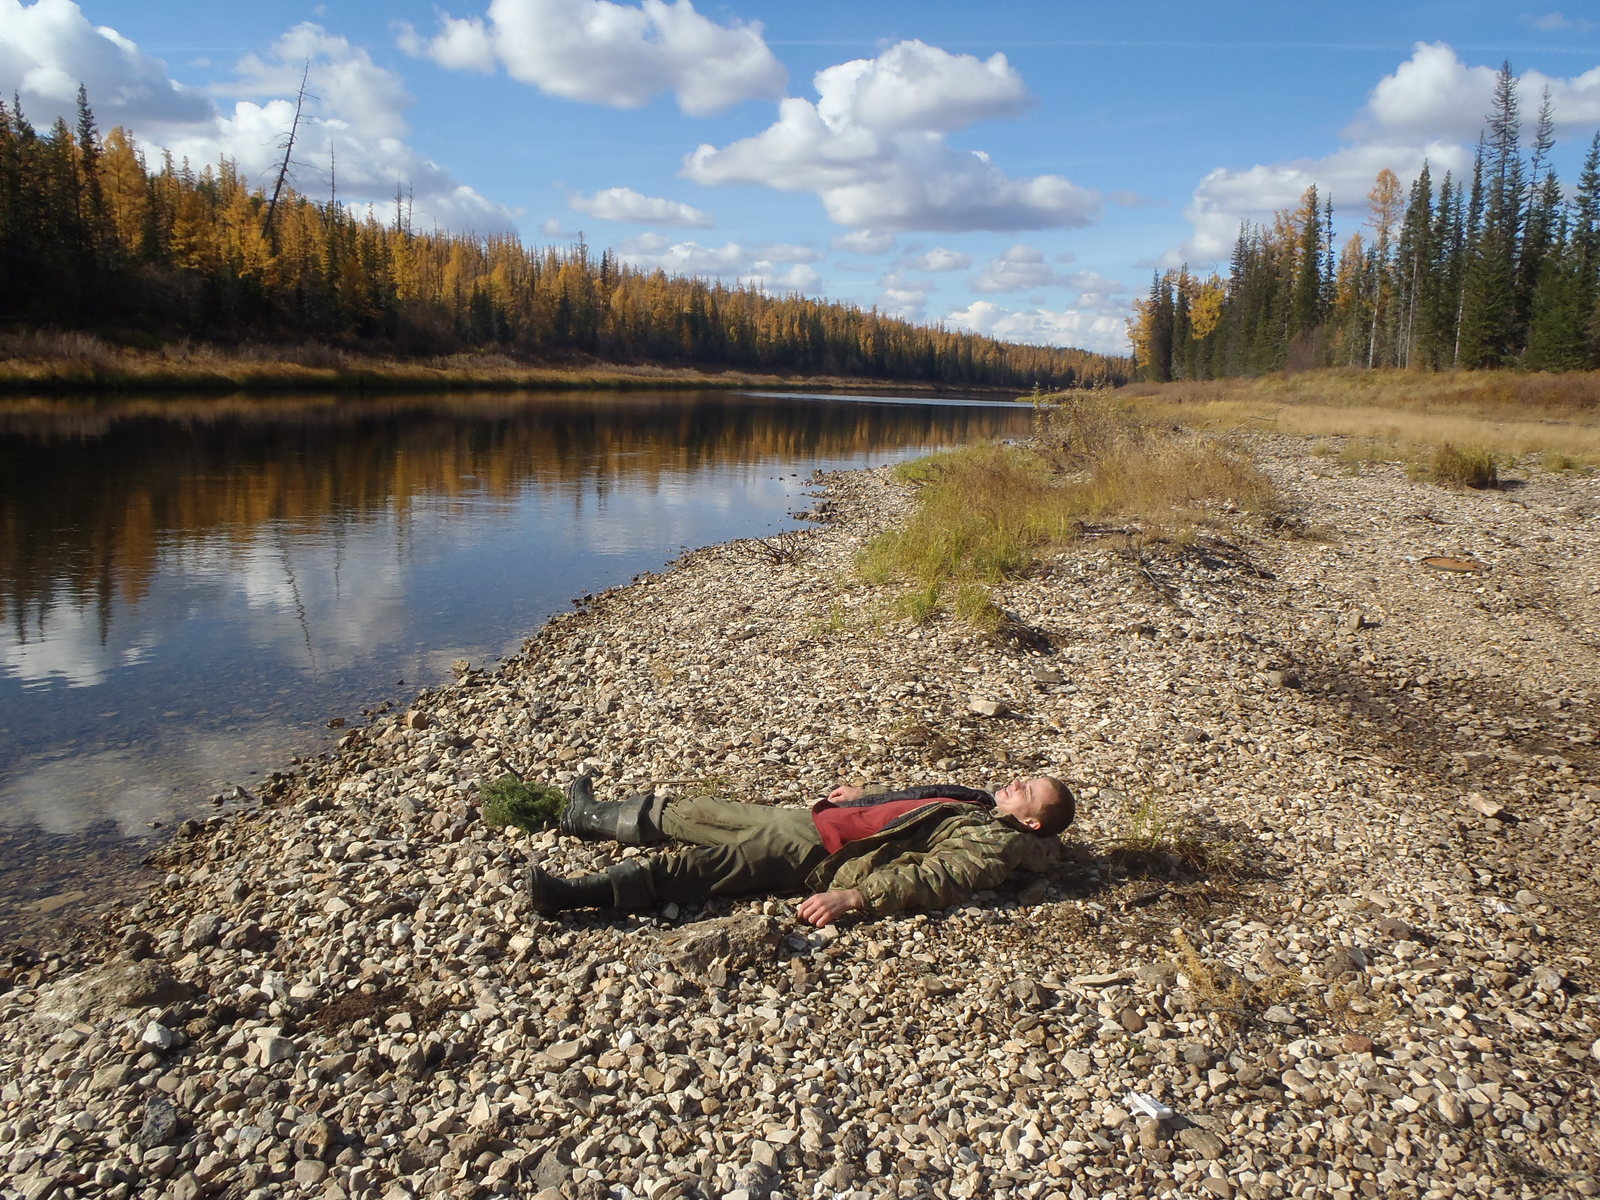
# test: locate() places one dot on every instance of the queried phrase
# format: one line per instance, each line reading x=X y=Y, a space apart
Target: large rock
x=737 y=940
x=160 y=1123
x=102 y=991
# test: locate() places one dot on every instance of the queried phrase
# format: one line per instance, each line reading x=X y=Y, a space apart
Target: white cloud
x=616 y=54
x=653 y=251
x=1431 y=108
x=774 y=267
x=625 y=204
x=766 y=276
x=873 y=148
x=903 y=296
x=1434 y=95
x=1095 y=288
x=916 y=88
x=941 y=259
x=1019 y=269
x=462 y=44
x=1086 y=329
x=49 y=48
x=1225 y=198
x=340 y=78
x=355 y=111
x=864 y=241
x=790 y=252
x=1558 y=23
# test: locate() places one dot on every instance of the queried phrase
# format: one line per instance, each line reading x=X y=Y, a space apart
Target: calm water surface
x=191 y=590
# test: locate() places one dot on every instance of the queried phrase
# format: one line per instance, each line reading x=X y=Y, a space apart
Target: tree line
x=1502 y=270
x=92 y=237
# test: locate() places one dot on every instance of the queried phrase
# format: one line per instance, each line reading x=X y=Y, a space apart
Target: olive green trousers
x=736 y=849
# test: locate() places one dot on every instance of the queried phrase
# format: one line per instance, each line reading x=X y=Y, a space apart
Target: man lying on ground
x=881 y=853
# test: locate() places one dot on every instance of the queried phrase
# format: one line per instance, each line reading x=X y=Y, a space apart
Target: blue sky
x=1016 y=168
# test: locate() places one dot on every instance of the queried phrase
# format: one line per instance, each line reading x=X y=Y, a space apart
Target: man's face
x=1028 y=800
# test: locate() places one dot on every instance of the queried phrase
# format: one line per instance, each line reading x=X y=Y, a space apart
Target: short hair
x=1063 y=808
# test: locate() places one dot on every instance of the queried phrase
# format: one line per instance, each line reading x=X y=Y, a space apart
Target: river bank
x=46 y=363
x=1330 y=897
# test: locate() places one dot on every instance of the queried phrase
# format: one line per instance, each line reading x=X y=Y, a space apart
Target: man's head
x=1043 y=804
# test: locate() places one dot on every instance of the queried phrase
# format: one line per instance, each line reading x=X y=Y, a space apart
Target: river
x=194 y=591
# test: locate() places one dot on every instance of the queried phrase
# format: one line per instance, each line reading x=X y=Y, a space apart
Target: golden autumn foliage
x=103 y=243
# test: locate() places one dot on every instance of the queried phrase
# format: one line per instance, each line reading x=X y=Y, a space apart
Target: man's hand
x=825 y=908
x=846 y=792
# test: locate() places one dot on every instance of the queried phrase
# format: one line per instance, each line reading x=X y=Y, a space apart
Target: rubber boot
x=630 y=822
x=551 y=894
x=628 y=885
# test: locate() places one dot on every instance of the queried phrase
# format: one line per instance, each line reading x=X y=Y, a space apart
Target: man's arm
x=825 y=908
x=969 y=858
x=848 y=795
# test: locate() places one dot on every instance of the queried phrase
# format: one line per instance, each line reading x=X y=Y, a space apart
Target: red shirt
x=839 y=826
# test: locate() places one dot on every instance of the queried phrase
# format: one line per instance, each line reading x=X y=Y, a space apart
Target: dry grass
x=1466 y=466
x=1153 y=824
x=1556 y=417
x=1477 y=393
x=987 y=513
x=48 y=361
x=1217 y=987
x=780 y=549
x=1345 y=1005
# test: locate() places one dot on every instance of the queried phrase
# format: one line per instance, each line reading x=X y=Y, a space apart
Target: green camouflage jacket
x=936 y=858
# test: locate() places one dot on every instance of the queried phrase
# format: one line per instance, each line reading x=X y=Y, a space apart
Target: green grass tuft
x=510 y=801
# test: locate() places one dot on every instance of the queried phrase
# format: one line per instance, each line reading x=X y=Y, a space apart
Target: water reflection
x=190 y=590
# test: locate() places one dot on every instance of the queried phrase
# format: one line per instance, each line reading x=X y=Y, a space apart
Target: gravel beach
x=1327 y=925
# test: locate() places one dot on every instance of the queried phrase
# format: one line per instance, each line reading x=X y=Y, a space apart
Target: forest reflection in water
x=190 y=590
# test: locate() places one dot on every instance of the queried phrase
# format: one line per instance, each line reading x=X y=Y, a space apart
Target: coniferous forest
x=92 y=237
x=1499 y=270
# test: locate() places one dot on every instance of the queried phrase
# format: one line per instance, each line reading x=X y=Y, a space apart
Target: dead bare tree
x=288 y=152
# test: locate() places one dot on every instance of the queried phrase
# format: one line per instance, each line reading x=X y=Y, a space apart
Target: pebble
x=1202 y=1141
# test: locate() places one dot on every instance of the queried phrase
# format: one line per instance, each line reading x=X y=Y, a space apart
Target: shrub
x=510 y=801
x=1472 y=467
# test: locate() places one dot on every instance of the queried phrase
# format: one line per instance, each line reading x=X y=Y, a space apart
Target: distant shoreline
x=81 y=363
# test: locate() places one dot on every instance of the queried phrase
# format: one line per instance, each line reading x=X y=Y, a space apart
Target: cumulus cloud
x=916 y=88
x=1431 y=108
x=767 y=277
x=48 y=48
x=616 y=54
x=864 y=241
x=339 y=76
x=355 y=110
x=874 y=148
x=1433 y=94
x=462 y=44
x=941 y=259
x=772 y=267
x=791 y=252
x=1019 y=269
x=1086 y=329
x=1225 y=197
x=903 y=296
x=627 y=205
